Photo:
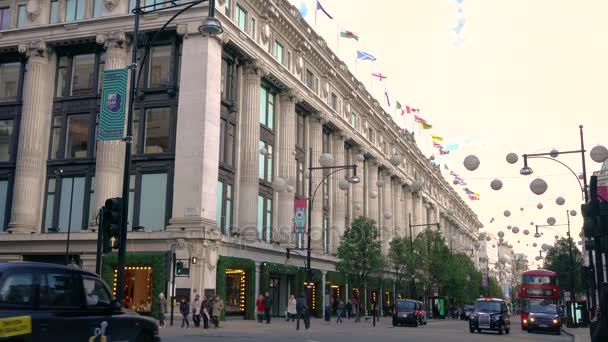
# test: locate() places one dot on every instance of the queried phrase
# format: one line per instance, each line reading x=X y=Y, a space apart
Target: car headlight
x=496 y=317
x=555 y=321
x=531 y=319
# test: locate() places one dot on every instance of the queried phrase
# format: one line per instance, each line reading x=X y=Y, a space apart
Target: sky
x=521 y=78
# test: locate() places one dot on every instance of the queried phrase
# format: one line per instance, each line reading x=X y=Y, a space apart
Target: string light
x=234 y=273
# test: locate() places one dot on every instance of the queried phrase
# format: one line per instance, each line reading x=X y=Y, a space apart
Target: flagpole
x=316 y=11
x=338 y=43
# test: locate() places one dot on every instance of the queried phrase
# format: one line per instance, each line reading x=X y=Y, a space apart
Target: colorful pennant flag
x=436 y=138
x=473 y=198
x=379 y=76
x=445 y=166
x=364 y=56
x=349 y=34
x=424 y=125
x=443 y=152
x=320 y=7
x=388 y=101
x=438 y=145
x=398 y=106
x=419 y=119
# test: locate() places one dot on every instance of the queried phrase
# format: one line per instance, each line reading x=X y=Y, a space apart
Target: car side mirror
x=115 y=305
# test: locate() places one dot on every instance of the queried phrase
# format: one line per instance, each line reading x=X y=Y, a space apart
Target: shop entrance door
x=275 y=293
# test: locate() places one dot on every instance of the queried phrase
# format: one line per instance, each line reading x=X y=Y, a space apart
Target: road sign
x=113 y=105
x=567 y=296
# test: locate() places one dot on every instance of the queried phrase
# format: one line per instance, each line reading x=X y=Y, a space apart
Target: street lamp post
x=354 y=179
x=211 y=27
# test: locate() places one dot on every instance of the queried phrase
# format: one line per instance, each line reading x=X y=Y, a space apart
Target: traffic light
x=112 y=224
x=179 y=267
x=588 y=277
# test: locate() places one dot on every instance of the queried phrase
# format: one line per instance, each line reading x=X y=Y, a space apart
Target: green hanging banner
x=113 y=105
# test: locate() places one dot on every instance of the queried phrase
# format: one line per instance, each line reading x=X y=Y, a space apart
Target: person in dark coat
x=267 y=306
x=302 y=309
x=205 y=312
x=349 y=309
x=184 y=308
x=599 y=325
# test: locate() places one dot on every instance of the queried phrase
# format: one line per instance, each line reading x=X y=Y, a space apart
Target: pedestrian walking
x=259 y=308
x=218 y=307
x=349 y=309
x=196 y=311
x=302 y=309
x=162 y=309
x=339 y=310
x=184 y=309
x=205 y=309
x=599 y=325
x=291 y=308
x=267 y=306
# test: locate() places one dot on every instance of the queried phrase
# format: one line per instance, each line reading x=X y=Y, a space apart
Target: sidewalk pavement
x=578 y=334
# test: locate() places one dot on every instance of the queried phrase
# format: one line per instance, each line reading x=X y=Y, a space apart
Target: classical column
x=373 y=195
x=285 y=147
x=357 y=190
x=196 y=145
x=408 y=206
x=249 y=151
x=417 y=212
x=256 y=285
x=387 y=209
x=398 y=208
x=110 y=154
x=30 y=169
x=316 y=144
x=325 y=300
x=339 y=201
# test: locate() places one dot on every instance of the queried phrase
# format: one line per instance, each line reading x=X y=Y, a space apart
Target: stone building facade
x=217 y=120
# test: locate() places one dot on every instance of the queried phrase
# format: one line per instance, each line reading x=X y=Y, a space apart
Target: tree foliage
x=558 y=260
x=360 y=252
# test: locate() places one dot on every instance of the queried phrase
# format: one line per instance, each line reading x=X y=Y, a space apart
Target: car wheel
x=559 y=332
x=394 y=323
x=500 y=331
x=507 y=331
x=478 y=330
x=471 y=330
x=144 y=337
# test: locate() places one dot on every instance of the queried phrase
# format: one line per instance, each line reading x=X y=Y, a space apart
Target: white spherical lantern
x=496 y=184
x=501 y=234
x=515 y=230
x=360 y=157
x=521 y=209
x=493 y=246
x=531 y=223
x=560 y=200
x=599 y=154
x=545 y=246
x=488 y=238
x=476 y=244
x=510 y=246
x=509 y=227
x=534 y=244
x=554 y=153
x=556 y=237
x=380 y=183
x=526 y=232
x=343 y=184
x=432 y=157
x=539 y=205
x=290 y=188
x=373 y=194
x=388 y=215
x=573 y=212
x=357 y=207
x=551 y=220
x=507 y=213
x=512 y=158
x=279 y=184
x=326 y=159
x=396 y=159
x=263 y=151
x=456 y=182
x=538 y=186
x=581 y=176
x=417 y=185
x=537 y=258
x=471 y=162
x=580 y=243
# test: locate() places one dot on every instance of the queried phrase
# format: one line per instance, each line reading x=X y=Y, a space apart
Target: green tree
x=558 y=260
x=400 y=259
x=360 y=252
x=494 y=288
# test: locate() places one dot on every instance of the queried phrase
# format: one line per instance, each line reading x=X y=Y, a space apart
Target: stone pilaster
x=387 y=214
x=373 y=195
x=408 y=205
x=339 y=201
x=398 y=208
x=249 y=150
x=196 y=146
x=316 y=144
x=30 y=169
x=357 y=190
x=417 y=207
x=110 y=154
x=286 y=141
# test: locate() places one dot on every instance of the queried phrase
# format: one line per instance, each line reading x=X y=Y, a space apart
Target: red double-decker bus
x=539 y=291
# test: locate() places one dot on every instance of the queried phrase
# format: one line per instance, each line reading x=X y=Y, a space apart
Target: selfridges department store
x=217 y=120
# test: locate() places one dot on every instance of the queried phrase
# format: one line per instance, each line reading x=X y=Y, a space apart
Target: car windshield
x=540 y=306
x=487 y=306
x=406 y=305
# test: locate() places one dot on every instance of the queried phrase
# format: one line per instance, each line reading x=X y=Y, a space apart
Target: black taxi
x=490 y=314
x=405 y=312
x=57 y=303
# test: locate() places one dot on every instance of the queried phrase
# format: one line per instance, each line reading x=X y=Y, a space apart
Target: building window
x=265 y=162
x=77 y=75
x=5 y=18
x=74 y=10
x=98 y=8
x=101 y=67
x=227 y=80
x=227 y=9
x=266 y=108
x=9 y=81
x=300 y=120
x=3 y=204
x=289 y=60
x=77 y=137
x=21 y=15
x=334 y=101
x=264 y=218
x=159 y=73
x=227 y=136
x=309 y=79
x=353 y=120
x=325 y=234
x=65 y=204
x=299 y=178
x=278 y=52
x=253 y=28
x=54 y=13
x=224 y=206
x=156 y=132
x=241 y=17
x=153 y=199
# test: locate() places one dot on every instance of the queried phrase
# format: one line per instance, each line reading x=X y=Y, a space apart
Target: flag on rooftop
x=388 y=101
x=424 y=125
x=443 y=152
x=379 y=76
x=349 y=34
x=418 y=119
x=436 y=144
x=364 y=56
x=398 y=106
x=320 y=7
x=436 y=138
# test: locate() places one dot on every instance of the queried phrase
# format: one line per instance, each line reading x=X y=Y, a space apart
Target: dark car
x=468 y=312
x=405 y=312
x=543 y=315
x=490 y=314
x=58 y=303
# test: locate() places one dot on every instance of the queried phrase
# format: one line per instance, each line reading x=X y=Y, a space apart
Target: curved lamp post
x=210 y=26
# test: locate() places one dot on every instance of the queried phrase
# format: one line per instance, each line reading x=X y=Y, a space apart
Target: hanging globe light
x=380 y=183
x=263 y=151
x=554 y=153
x=417 y=185
x=373 y=194
x=455 y=182
x=496 y=184
x=509 y=227
x=501 y=234
x=488 y=238
x=531 y=223
x=512 y=158
x=534 y=244
x=539 y=205
x=471 y=162
x=326 y=160
x=599 y=154
x=360 y=157
x=279 y=184
x=388 y=215
x=538 y=186
x=573 y=212
x=476 y=244
x=396 y=159
x=290 y=188
x=432 y=157
x=507 y=213
x=515 y=230
x=343 y=184
x=551 y=220
x=526 y=232
x=521 y=209
x=556 y=237
x=357 y=207
x=560 y=200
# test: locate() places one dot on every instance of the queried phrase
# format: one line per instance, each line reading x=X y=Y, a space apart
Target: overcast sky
x=524 y=76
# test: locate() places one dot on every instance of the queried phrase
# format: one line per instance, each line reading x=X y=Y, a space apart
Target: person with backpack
x=184 y=309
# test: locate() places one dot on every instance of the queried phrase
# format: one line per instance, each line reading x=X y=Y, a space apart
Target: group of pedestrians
x=263 y=307
x=209 y=310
